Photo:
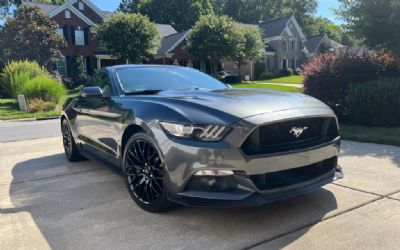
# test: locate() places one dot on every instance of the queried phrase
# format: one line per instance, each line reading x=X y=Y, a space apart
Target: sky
x=324 y=9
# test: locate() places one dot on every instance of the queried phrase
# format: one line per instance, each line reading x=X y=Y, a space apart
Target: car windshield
x=142 y=79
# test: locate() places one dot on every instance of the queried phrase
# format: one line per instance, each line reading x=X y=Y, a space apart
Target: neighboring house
x=320 y=44
x=77 y=20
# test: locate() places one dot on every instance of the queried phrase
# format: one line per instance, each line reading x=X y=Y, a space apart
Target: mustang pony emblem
x=297 y=131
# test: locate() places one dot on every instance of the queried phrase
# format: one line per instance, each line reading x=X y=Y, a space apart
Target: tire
x=144 y=174
x=70 y=148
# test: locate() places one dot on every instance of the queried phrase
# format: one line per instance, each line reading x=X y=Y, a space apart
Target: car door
x=99 y=119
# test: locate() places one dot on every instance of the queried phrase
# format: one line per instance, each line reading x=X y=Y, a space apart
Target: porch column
x=98 y=63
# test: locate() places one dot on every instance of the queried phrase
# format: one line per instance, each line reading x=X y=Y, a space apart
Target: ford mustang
x=182 y=137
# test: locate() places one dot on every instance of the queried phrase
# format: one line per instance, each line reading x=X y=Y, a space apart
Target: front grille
x=295 y=176
x=290 y=135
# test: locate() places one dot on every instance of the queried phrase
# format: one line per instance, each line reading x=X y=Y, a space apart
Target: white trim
x=287 y=29
x=297 y=26
x=319 y=44
x=274 y=38
x=166 y=55
x=105 y=57
x=179 y=41
x=270 y=53
x=68 y=6
x=92 y=6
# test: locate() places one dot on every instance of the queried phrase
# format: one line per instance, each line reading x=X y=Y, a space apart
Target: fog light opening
x=214 y=173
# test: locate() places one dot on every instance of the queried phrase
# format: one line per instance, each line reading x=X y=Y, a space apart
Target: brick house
x=77 y=20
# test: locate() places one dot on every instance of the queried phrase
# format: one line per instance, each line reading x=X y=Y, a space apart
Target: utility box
x=247 y=78
x=22 y=103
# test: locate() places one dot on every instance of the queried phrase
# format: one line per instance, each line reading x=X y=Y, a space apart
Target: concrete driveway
x=46 y=202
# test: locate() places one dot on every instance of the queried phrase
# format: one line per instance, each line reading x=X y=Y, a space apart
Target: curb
x=30 y=119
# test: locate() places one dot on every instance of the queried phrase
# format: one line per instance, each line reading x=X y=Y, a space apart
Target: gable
x=72 y=9
x=88 y=12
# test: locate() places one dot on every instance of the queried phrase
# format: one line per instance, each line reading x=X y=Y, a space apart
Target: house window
x=62 y=66
x=60 y=31
x=81 y=6
x=67 y=14
x=285 y=47
x=268 y=62
x=294 y=44
x=79 y=37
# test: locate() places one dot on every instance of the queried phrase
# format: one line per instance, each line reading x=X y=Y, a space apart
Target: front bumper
x=183 y=158
x=247 y=197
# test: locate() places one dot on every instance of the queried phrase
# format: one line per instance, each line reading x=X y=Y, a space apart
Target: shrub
x=44 y=88
x=375 y=103
x=78 y=71
x=259 y=68
x=297 y=71
x=328 y=76
x=38 y=105
x=232 y=79
x=12 y=71
x=286 y=72
x=266 y=75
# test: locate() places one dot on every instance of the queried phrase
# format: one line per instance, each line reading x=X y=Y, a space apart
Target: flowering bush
x=328 y=76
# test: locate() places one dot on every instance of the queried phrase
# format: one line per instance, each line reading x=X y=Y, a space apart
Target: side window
x=101 y=80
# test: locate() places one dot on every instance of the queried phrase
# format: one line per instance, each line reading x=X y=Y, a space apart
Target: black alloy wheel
x=70 y=148
x=144 y=174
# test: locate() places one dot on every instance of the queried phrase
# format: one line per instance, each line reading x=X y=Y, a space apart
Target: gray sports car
x=181 y=136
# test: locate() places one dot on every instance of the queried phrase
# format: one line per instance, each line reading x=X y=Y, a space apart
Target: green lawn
x=267 y=86
x=286 y=80
x=9 y=109
x=389 y=136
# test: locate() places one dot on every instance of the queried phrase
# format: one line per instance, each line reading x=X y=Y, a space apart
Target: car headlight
x=197 y=132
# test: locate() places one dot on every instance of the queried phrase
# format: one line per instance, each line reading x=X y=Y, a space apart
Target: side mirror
x=91 y=92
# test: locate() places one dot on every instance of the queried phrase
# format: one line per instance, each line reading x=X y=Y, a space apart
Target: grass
x=380 y=135
x=286 y=80
x=268 y=86
x=9 y=109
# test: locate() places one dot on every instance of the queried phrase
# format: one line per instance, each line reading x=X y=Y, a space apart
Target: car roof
x=124 y=66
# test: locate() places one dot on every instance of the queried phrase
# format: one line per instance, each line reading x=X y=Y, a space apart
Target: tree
x=253 y=11
x=375 y=22
x=321 y=25
x=182 y=14
x=32 y=35
x=214 y=38
x=250 y=47
x=78 y=70
x=129 y=37
x=129 y=6
x=6 y=5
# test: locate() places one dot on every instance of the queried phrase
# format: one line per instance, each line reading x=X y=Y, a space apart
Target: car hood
x=233 y=103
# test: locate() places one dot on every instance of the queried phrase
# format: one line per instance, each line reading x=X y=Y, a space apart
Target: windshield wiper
x=145 y=92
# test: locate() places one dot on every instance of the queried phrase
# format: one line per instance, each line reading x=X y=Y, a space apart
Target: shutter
x=86 y=34
x=69 y=64
x=65 y=32
x=72 y=35
x=88 y=65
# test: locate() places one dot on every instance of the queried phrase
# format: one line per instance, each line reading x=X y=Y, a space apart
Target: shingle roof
x=169 y=43
x=44 y=8
x=313 y=42
x=165 y=29
x=274 y=27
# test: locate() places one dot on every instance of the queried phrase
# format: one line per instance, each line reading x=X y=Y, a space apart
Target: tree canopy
x=6 y=5
x=375 y=22
x=28 y=33
x=129 y=36
x=181 y=14
x=129 y=6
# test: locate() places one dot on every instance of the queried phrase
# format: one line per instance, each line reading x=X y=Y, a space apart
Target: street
x=49 y=203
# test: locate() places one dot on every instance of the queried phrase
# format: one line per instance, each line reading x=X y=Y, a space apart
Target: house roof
x=44 y=8
x=49 y=9
x=274 y=27
x=313 y=43
x=165 y=29
x=169 y=43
